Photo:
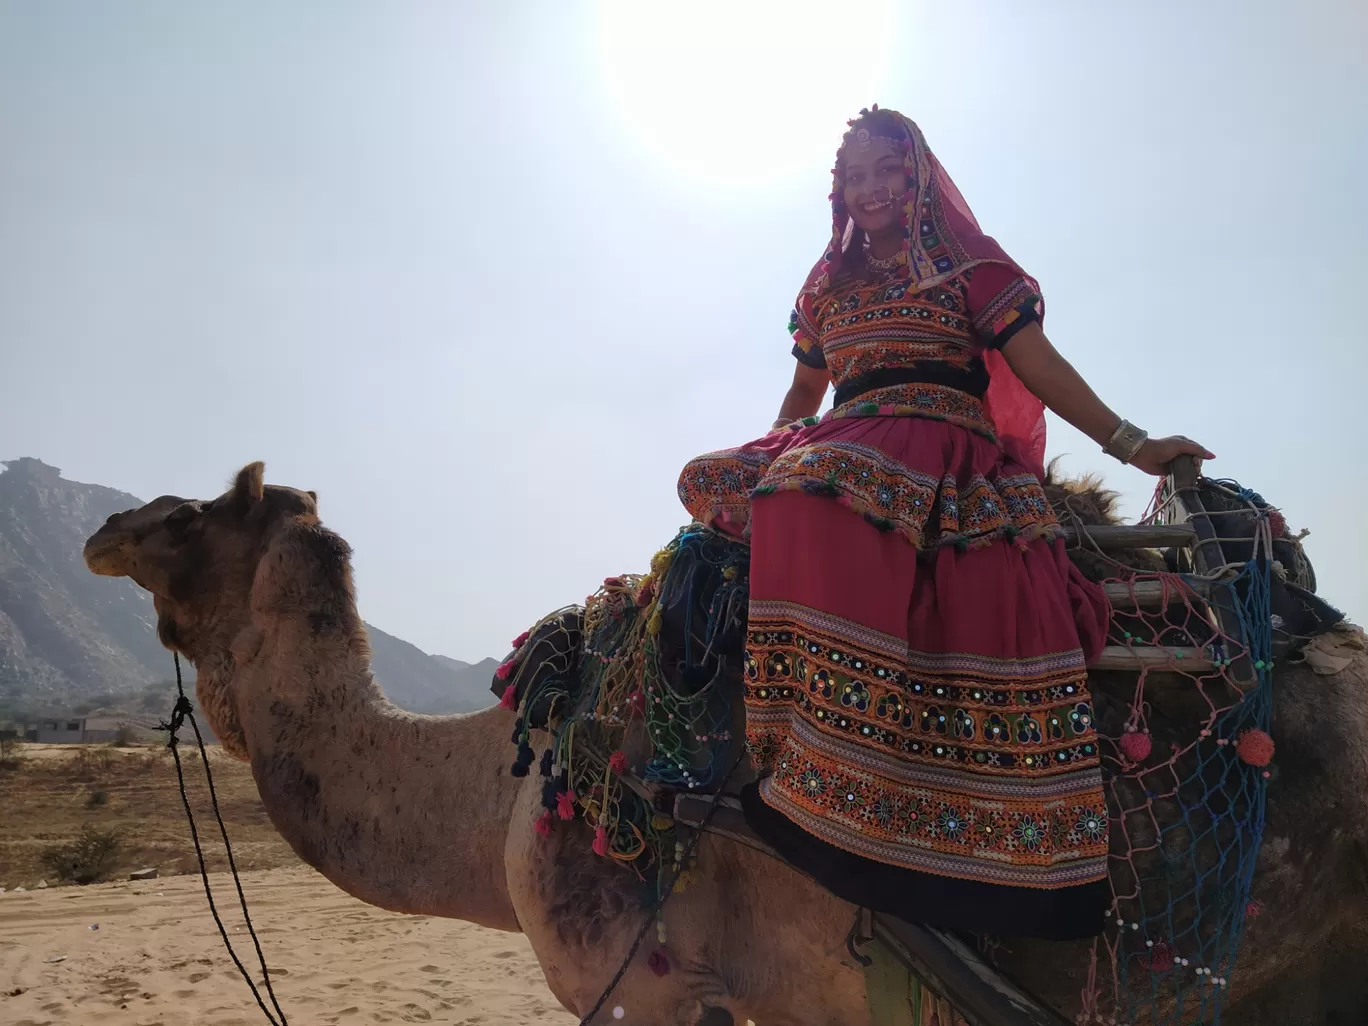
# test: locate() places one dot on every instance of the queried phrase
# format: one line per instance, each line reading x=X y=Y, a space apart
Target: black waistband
x=972 y=379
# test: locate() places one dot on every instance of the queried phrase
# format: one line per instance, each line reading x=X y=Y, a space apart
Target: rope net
x=1186 y=752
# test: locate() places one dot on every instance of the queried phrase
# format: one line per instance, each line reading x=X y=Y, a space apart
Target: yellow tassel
x=683 y=881
x=729 y=573
x=654 y=626
x=659 y=822
x=660 y=563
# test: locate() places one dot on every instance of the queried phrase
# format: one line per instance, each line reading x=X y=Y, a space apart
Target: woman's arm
x=1054 y=381
x=805 y=395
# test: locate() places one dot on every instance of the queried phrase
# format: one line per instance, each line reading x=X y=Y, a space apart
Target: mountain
x=69 y=638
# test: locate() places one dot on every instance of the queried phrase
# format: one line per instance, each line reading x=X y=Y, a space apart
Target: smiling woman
x=740 y=93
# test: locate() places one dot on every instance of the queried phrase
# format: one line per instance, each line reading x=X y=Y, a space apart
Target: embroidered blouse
x=876 y=334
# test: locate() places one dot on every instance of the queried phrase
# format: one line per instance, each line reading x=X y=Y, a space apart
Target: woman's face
x=874 y=181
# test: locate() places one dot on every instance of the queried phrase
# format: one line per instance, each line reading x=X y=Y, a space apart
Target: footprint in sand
x=429 y=969
x=197 y=977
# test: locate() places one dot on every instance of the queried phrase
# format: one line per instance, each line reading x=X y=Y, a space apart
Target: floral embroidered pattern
x=906 y=758
x=891 y=496
x=718 y=485
x=919 y=400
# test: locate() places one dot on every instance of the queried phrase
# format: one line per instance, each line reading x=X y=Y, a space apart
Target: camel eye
x=180 y=518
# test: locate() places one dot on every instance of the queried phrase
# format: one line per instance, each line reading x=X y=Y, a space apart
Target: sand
x=157 y=959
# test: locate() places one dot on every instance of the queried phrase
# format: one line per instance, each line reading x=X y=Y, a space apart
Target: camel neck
x=404 y=811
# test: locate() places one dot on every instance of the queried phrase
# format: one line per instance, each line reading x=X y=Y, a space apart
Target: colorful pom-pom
x=565 y=805
x=1136 y=747
x=521 y=639
x=617 y=762
x=524 y=760
x=509 y=699
x=1160 y=958
x=505 y=668
x=1255 y=748
x=544 y=824
x=600 y=841
x=658 y=962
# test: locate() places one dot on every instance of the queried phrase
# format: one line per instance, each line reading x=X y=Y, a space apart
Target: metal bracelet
x=1125 y=442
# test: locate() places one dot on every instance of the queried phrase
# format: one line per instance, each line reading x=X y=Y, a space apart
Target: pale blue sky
x=485 y=275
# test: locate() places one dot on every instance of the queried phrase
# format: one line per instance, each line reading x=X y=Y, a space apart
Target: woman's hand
x=1156 y=454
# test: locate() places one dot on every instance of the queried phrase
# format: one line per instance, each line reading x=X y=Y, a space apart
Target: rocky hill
x=69 y=638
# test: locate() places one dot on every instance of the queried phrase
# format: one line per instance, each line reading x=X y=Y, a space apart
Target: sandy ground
x=156 y=959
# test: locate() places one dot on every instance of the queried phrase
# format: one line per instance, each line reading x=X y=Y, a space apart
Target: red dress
x=915 y=687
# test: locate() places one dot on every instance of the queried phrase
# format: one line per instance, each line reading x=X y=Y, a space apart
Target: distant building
x=86 y=730
x=59 y=732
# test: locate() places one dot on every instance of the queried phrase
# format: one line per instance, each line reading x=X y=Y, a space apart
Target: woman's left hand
x=1156 y=454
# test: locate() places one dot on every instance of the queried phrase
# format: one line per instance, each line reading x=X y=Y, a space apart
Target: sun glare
x=744 y=93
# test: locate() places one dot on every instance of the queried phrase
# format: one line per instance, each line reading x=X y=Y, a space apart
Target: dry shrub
x=11 y=753
x=86 y=859
x=91 y=763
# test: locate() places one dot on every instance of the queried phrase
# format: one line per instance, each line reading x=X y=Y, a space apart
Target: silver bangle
x=1125 y=442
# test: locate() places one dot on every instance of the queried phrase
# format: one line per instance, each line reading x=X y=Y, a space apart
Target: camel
x=420 y=814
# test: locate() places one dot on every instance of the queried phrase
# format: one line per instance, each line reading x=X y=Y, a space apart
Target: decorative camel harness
x=1236 y=593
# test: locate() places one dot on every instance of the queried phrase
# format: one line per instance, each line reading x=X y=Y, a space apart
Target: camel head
x=204 y=563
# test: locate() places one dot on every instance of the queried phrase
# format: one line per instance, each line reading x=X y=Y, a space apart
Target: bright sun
x=742 y=93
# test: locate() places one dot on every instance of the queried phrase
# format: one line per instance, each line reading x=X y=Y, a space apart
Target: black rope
x=181 y=712
x=663 y=897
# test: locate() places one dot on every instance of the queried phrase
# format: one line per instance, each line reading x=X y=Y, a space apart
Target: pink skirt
x=915 y=675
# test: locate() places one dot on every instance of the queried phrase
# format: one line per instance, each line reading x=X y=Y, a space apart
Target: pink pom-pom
x=565 y=805
x=521 y=639
x=504 y=670
x=1136 y=747
x=617 y=762
x=1277 y=523
x=646 y=593
x=1255 y=748
x=509 y=699
x=1160 y=958
x=544 y=823
x=658 y=962
x=600 y=841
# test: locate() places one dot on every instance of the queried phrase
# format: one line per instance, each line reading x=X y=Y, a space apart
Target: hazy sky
x=485 y=275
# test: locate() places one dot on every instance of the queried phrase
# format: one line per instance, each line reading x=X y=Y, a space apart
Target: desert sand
x=156 y=958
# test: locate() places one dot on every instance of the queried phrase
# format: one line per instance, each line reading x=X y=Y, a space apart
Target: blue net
x=1187 y=821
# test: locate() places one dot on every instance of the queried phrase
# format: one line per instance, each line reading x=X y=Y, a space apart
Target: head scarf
x=941 y=239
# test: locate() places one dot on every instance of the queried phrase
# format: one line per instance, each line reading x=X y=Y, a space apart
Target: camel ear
x=250 y=486
x=313 y=495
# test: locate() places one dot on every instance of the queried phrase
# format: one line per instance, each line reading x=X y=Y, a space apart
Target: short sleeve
x=806 y=349
x=1001 y=302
